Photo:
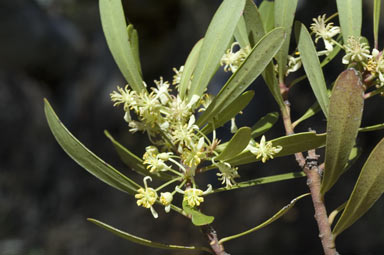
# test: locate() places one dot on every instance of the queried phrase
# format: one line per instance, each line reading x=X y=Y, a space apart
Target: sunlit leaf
x=241 y=34
x=345 y=111
x=264 y=124
x=376 y=21
x=142 y=241
x=123 y=48
x=267 y=13
x=275 y=217
x=198 y=218
x=133 y=161
x=368 y=189
x=262 y=180
x=284 y=13
x=216 y=41
x=189 y=67
x=251 y=68
x=237 y=144
x=291 y=144
x=350 y=17
x=231 y=111
x=312 y=67
x=84 y=157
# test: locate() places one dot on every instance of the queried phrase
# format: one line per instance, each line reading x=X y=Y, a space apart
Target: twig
x=313 y=172
x=211 y=235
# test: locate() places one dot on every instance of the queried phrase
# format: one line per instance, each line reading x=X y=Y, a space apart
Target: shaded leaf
x=312 y=67
x=142 y=241
x=284 y=13
x=198 y=218
x=237 y=144
x=368 y=189
x=264 y=124
x=251 y=68
x=350 y=16
x=275 y=217
x=345 y=111
x=267 y=13
x=231 y=111
x=216 y=41
x=254 y=24
x=241 y=34
x=189 y=67
x=133 y=161
x=262 y=180
x=84 y=157
x=134 y=40
x=122 y=47
x=315 y=108
x=376 y=21
x=372 y=128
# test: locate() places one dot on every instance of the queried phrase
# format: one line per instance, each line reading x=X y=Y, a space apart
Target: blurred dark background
x=55 y=49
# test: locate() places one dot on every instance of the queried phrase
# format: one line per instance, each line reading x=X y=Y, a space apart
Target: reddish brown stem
x=210 y=233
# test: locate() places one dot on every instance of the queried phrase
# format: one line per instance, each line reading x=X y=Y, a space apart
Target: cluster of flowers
x=178 y=145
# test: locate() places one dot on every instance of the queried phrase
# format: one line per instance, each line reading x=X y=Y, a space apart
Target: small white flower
x=146 y=196
x=356 y=51
x=232 y=60
x=177 y=76
x=324 y=31
x=162 y=91
x=263 y=150
x=193 y=196
x=293 y=64
x=166 y=200
x=227 y=173
x=154 y=160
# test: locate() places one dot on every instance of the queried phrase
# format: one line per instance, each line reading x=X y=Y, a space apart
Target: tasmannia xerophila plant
x=180 y=117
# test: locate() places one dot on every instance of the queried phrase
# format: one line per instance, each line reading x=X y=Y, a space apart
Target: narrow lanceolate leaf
x=189 y=67
x=312 y=67
x=350 y=17
x=133 y=161
x=345 y=111
x=262 y=180
x=251 y=68
x=368 y=189
x=142 y=241
x=284 y=14
x=84 y=157
x=376 y=21
x=198 y=218
x=120 y=44
x=267 y=11
x=264 y=124
x=134 y=40
x=237 y=144
x=372 y=128
x=241 y=34
x=275 y=217
x=216 y=41
x=254 y=23
x=315 y=108
x=291 y=144
x=231 y=111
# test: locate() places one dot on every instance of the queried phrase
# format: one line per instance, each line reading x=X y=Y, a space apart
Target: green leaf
x=284 y=15
x=350 y=16
x=142 y=241
x=231 y=111
x=216 y=40
x=237 y=144
x=264 y=124
x=372 y=128
x=241 y=34
x=134 y=40
x=253 y=65
x=267 y=11
x=368 y=189
x=345 y=111
x=275 y=217
x=198 y=218
x=315 y=108
x=262 y=180
x=376 y=21
x=254 y=24
x=84 y=157
x=291 y=144
x=189 y=67
x=312 y=67
x=122 y=47
x=273 y=85
x=133 y=161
